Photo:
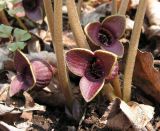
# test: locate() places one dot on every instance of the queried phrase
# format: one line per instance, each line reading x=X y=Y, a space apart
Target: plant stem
x=20 y=23
x=76 y=25
x=109 y=92
x=117 y=86
x=3 y=18
x=57 y=33
x=79 y=5
x=132 y=52
x=123 y=7
x=114 y=7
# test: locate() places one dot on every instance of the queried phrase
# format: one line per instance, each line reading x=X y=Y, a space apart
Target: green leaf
x=15 y=11
x=16 y=45
x=5 y=31
x=21 y=35
x=2 y=5
x=14 y=1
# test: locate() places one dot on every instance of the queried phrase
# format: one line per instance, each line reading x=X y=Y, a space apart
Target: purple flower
x=93 y=67
x=107 y=33
x=33 y=9
x=36 y=72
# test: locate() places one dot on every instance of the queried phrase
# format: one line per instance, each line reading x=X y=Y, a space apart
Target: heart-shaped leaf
x=16 y=45
x=2 y=5
x=5 y=31
x=21 y=35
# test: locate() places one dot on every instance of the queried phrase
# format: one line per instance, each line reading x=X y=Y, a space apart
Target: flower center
x=95 y=70
x=105 y=37
x=30 y=5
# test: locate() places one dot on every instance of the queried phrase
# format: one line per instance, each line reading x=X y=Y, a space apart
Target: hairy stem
x=57 y=33
x=117 y=86
x=132 y=52
x=20 y=23
x=109 y=91
x=114 y=7
x=76 y=25
x=123 y=7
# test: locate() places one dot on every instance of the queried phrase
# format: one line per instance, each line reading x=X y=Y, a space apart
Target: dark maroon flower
x=107 y=33
x=29 y=74
x=33 y=9
x=93 y=67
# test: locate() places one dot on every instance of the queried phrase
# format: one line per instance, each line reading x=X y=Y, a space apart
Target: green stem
x=109 y=91
x=132 y=52
x=117 y=86
x=114 y=7
x=76 y=25
x=57 y=33
x=123 y=7
x=20 y=23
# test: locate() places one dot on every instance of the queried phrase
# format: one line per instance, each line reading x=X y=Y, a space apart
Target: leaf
x=18 y=11
x=14 y=1
x=2 y=5
x=145 y=76
x=5 y=31
x=126 y=115
x=16 y=45
x=21 y=35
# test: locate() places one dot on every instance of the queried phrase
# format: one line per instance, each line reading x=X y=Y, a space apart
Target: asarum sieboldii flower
x=107 y=33
x=36 y=72
x=33 y=9
x=93 y=67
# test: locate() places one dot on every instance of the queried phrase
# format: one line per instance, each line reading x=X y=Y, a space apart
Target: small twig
x=57 y=33
x=117 y=86
x=132 y=52
x=123 y=7
x=3 y=18
x=76 y=25
x=114 y=7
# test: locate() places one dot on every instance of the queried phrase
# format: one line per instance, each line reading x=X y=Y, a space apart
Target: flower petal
x=108 y=58
x=35 y=15
x=20 y=61
x=92 y=30
x=116 y=48
x=23 y=67
x=116 y=24
x=77 y=60
x=17 y=85
x=90 y=89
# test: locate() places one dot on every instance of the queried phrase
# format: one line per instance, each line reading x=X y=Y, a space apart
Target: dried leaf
x=5 y=127
x=152 y=12
x=146 y=76
x=29 y=102
x=133 y=115
x=27 y=115
x=3 y=91
x=95 y=15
